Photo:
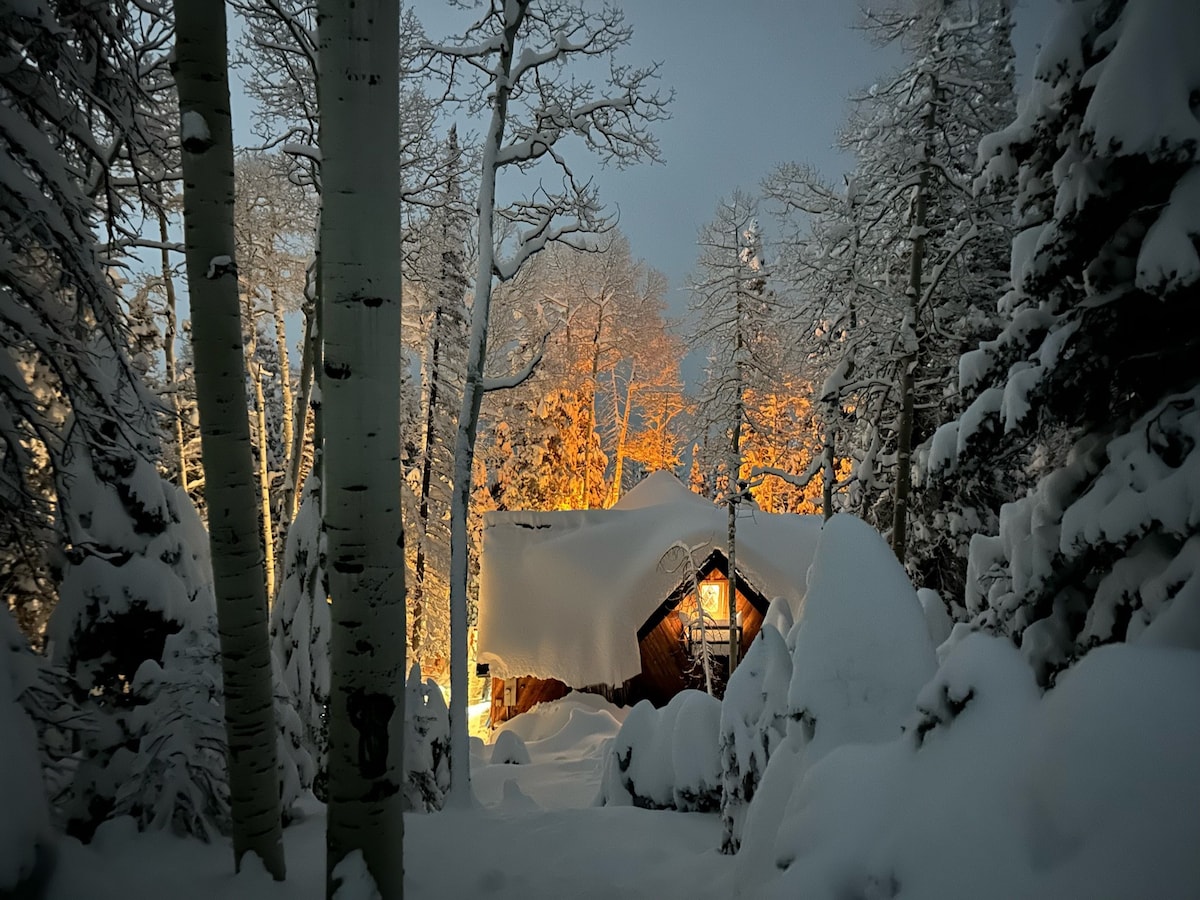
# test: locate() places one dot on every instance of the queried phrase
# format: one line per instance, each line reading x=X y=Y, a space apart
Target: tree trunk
x=829 y=465
x=238 y=578
x=310 y=368
x=264 y=475
x=911 y=358
x=419 y=592
x=285 y=390
x=734 y=466
x=468 y=420
x=621 y=420
x=360 y=274
x=169 y=349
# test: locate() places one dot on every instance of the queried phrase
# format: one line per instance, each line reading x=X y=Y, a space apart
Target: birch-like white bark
x=468 y=420
x=360 y=291
x=201 y=76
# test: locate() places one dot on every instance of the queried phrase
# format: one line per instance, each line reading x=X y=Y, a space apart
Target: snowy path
x=536 y=836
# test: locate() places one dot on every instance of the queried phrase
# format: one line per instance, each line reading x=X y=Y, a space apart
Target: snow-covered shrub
x=937 y=617
x=897 y=817
x=753 y=722
x=135 y=628
x=509 y=749
x=300 y=628
x=25 y=853
x=996 y=791
x=177 y=778
x=860 y=653
x=861 y=649
x=427 y=744
x=666 y=758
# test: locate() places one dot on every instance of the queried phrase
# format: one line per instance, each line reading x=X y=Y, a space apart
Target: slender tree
x=360 y=271
x=732 y=307
x=518 y=49
x=239 y=580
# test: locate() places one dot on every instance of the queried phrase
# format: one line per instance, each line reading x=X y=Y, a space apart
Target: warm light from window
x=712 y=596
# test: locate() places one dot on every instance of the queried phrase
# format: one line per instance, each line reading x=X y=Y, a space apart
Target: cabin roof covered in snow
x=562 y=594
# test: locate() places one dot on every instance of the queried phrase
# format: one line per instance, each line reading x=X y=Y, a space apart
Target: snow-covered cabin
x=597 y=599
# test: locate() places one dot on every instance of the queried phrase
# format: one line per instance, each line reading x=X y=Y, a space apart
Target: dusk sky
x=756 y=83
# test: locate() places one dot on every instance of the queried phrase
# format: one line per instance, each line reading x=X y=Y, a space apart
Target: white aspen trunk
x=202 y=79
x=285 y=389
x=264 y=478
x=310 y=367
x=621 y=420
x=360 y=277
x=169 y=338
x=468 y=420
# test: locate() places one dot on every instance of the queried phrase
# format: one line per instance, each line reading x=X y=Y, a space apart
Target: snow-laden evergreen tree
x=300 y=625
x=426 y=744
x=892 y=271
x=1091 y=389
x=77 y=117
x=134 y=629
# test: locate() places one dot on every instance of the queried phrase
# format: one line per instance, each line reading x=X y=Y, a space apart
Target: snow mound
x=996 y=791
x=547 y=720
x=509 y=749
x=666 y=758
x=861 y=646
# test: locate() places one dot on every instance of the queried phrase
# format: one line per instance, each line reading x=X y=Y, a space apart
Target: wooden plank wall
x=530 y=692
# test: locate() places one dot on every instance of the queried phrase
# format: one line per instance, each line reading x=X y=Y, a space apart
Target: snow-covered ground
x=534 y=835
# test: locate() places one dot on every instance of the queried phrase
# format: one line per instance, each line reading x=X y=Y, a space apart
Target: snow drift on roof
x=562 y=594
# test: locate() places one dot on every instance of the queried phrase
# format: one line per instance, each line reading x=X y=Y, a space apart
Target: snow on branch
x=516 y=379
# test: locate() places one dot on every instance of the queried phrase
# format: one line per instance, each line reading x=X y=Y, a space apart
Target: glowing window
x=712 y=600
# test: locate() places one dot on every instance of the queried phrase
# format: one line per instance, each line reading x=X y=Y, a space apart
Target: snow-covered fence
x=666 y=758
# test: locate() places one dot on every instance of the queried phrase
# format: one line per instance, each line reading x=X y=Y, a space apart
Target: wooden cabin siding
x=664 y=662
x=530 y=692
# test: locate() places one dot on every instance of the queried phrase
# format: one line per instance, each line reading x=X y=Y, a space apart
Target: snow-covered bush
x=300 y=627
x=25 y=855
x=861 y=649
x=666 y=758
x=427 y=744
x=177 y=780
x=860 y=653
x=996 y=791
x=753 y=722
x=135 y=629
x=509 y=749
